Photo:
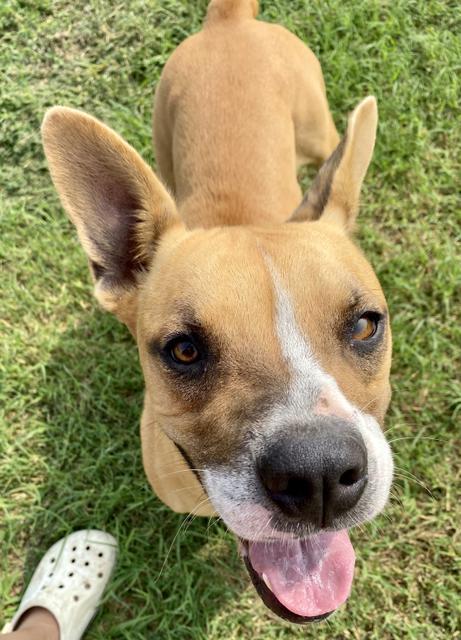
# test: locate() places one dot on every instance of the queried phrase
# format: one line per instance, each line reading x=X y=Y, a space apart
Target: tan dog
x=265 y=344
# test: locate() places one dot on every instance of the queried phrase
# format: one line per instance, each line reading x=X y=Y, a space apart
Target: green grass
x=71 y=387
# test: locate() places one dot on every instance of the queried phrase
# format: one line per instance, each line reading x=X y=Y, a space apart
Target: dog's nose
x=315 y=472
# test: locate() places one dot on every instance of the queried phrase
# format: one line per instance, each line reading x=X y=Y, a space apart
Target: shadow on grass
x=174 y=574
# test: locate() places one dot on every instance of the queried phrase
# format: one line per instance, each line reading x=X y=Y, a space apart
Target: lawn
x=71 y=387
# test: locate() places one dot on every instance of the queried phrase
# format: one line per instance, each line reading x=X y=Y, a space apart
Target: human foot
x=67 y=586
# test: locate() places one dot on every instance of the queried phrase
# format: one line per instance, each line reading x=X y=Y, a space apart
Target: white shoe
x=70 y=580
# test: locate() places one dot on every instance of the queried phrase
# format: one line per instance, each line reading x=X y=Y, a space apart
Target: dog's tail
x=231 y=9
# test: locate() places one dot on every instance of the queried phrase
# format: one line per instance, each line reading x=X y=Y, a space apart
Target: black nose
x=315 y=472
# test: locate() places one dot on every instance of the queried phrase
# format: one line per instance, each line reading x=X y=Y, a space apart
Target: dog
x=263 y=332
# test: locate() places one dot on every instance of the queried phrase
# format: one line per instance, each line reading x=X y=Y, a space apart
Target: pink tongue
x=309 y=577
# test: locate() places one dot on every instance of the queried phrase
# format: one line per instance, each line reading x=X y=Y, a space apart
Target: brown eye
x=365 y=327
x=184 y=352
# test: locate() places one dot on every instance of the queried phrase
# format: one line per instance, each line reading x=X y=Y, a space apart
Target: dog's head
x=265 y=351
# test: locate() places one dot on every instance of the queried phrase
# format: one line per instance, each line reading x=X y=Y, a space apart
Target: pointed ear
x=335 y=192
x=119 y=207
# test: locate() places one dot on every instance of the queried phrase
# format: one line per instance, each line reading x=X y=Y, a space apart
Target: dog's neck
x=226 y=206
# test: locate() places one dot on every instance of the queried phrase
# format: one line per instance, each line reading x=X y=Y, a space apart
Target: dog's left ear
x=335 y=192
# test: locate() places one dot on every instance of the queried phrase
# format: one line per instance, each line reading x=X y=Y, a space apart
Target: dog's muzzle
x=291 y=498
x=312 y=474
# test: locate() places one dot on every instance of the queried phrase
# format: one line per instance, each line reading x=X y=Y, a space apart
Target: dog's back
x=238 y=107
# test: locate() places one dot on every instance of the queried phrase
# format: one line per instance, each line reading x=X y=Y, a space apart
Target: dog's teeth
x=266 y=581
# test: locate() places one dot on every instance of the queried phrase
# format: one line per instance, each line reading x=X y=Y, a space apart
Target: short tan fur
x=239 y=107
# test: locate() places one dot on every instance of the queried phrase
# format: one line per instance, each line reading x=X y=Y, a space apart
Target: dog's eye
x=183 y=350
x=365 y=327
x=186 y=354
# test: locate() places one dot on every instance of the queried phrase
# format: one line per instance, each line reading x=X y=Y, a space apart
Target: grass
x=71 y=388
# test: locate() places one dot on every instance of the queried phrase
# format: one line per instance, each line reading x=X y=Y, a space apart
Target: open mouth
x=302 y=580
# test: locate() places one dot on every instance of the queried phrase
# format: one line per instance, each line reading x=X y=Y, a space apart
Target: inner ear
x=314 y=202
x=112 y=230
x=335 y=193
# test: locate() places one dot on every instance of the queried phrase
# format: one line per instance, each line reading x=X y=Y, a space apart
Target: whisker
x=413 y=478
x=414 y=437
x=365 y=406
x=181 y=526
x=192 y=486
x=172 y=473
x=395 y=426
x=396 y=497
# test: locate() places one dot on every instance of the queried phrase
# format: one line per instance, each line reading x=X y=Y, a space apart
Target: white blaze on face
x=234 y=489
x=312 y=390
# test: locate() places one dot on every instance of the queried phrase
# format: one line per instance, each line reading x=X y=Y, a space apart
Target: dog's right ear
x=119 y=207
